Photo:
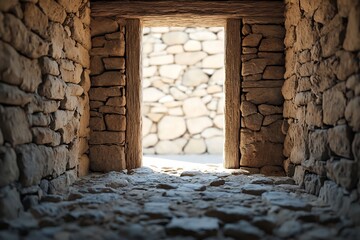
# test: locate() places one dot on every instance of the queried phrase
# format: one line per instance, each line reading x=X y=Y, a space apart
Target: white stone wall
x=183 y=100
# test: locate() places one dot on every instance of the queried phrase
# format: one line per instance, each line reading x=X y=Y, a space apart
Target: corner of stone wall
x=322 y=100
x=43 y=99
x=107 y=95
x=262 y=76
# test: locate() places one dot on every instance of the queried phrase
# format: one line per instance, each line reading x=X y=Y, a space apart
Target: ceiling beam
x=185 y=9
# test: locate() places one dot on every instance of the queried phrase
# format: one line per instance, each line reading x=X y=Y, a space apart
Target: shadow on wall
x=183 y=101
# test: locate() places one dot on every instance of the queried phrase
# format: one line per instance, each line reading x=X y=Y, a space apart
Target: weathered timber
x=232 y=93
x=133 y=93
x=187 y=12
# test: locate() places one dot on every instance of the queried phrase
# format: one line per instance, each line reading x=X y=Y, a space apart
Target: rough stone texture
x=183 y=99
x=322 y=65
x=43 y=51
x=106 y=206
x=107 y=97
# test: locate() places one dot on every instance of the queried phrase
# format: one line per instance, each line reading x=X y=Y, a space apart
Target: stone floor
x=199 y=201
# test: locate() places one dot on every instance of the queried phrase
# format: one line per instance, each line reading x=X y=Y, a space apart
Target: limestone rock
x=107 y=138
x=53 y=10
x=252 y=40
x=174 y=38
x=12 y=95
x=325 y=12
x=149 y=140
x=14 y=126
x=19 y=70
x=243 y=229
x=195 y=146
x=314 y=115
x=339 y=139
x=9 y=171
x=253 y=121
x=271 y=45
x=254 y=66
x=109 y=78
x=265 y=109
x=304 y=34
x=162 y=60
x=215 y=145
x=192 y=45
x=218 y=77
x=342 y=172
x=35 y=18
x=351 y=42
x=334 y=97
x=194 y=77
x=213 y=61
x=194 y=107
x=44 y=135
x=170 y=71
x=10 y=203
x=276 y=31
x=114 y=63
x=146 y=126
x=213 y=47
x=265 y=95
x=274 y=72
x=53 y=88
x=202 y=35
x=167 y=147
x=115 y=122
x=352 y=113
x=152 y=94
x=252 y=154
x=171 y=127
x=189 y=58
x=200 y=227
x=318 y=145
x=97 y=124
x=12 y=26
x=102 y=25
x=107 y=158
x=49 y=66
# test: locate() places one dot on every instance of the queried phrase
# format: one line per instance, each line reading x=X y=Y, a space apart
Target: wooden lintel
x=133 y=153
x=181 y=9
x=232 y=88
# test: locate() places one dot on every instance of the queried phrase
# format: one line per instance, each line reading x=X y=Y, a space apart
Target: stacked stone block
x=43 y=99
x=107 y=95
x=322 y=100
x=262 y=76
x=183 y=78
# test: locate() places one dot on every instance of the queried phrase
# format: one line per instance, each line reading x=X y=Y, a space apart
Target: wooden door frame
x=185 y=13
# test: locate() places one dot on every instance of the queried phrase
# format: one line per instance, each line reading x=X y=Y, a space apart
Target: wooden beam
x=187 y=9
x=133 y=94
x=232 y=88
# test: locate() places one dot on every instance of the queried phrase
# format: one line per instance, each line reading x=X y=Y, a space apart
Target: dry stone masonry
x=300 y=116
x=183 y=77
x=107 y=95
x=322 y=100
x=261 y=137
x=44 y=80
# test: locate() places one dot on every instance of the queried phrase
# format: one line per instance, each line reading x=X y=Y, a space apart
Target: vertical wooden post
x=133 y=138
x=232 y=93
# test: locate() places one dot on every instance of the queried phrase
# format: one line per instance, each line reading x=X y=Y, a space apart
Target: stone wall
x=262 y=76
x=107 y=95
x=183 y=77
x=43 y=99
x=322 y=100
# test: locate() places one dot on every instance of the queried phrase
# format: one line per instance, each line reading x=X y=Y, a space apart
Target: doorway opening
x=183 y=94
